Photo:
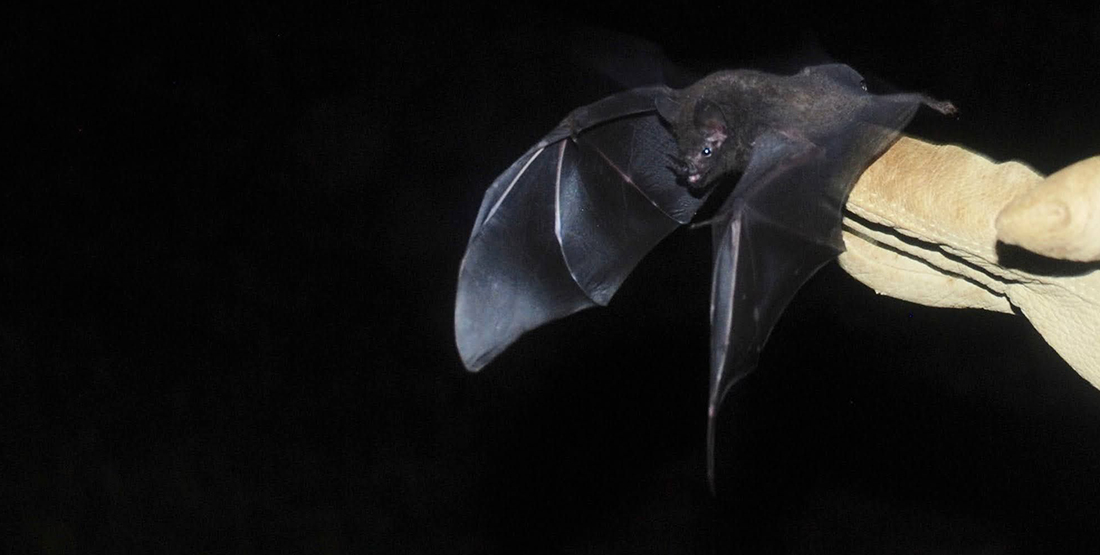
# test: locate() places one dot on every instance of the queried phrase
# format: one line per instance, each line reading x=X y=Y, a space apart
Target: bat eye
x=706 y=151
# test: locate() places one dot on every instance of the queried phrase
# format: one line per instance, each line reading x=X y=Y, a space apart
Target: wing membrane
x=562 y=227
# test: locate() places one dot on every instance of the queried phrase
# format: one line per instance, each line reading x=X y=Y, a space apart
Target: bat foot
x=945 y=107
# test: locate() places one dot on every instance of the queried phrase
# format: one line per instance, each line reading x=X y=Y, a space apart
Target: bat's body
x=560 y=230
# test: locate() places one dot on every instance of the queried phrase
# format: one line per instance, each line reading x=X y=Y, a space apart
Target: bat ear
x=709 y=117
x=668 y=108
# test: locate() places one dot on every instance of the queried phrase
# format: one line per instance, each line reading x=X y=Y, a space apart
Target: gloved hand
x=924 y=223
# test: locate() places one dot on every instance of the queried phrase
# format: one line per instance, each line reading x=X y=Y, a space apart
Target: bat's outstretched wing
x=560 y=229
x=783 y=222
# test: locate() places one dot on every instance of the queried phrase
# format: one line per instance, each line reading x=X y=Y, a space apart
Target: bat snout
x=687 y=170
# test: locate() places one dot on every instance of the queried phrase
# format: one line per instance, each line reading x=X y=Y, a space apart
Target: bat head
x=701 y=145
x=701 y=130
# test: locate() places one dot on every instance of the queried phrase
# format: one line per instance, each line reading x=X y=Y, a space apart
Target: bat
x=561 y=228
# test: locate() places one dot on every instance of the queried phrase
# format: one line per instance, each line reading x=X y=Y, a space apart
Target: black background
x=229 y=249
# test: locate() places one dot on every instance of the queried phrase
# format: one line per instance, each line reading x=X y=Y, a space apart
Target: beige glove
x=924 y=224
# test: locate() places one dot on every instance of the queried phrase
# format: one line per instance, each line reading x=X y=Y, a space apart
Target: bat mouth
x=695 y=183
x=687 y=173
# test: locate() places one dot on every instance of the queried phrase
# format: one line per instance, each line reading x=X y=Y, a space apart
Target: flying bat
x=561 y=228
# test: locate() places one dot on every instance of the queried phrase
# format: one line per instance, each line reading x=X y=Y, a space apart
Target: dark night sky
x=228 y=265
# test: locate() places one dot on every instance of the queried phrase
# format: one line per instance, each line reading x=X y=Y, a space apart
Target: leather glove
x=923 y=225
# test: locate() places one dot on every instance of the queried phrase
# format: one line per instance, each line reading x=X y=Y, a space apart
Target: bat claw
x=945 y=107
x=705 y=223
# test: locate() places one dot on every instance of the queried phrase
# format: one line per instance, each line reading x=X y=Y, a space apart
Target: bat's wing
x=782 y=223
x=561 y=228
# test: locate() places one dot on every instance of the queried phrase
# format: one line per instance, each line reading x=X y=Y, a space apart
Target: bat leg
x=944 y=107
